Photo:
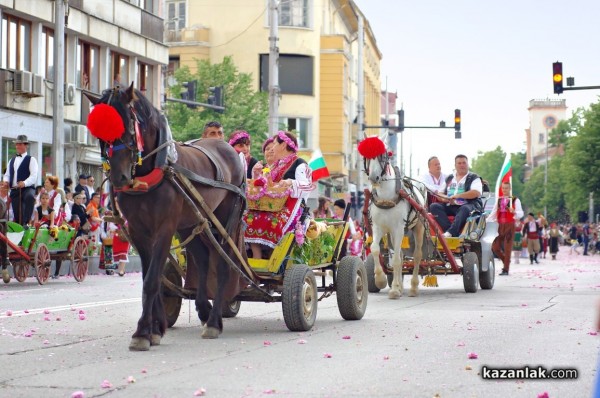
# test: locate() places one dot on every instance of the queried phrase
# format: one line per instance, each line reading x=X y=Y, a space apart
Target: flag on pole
x=318 y=166
x=505 y=174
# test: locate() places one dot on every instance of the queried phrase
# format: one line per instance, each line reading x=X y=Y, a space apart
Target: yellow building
x=318 y=47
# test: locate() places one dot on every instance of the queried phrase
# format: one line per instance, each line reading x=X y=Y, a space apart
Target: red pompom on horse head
x=105 y=123
x=371 y=147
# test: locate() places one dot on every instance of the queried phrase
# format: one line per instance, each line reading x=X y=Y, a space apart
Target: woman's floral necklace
x=282 y=165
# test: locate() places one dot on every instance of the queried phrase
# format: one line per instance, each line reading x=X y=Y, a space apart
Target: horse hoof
x=210 y=333
x=5 y=276
x=155 y=339
x=413 y=293
x=381 y=281
x=139 y=344
x=394 y=294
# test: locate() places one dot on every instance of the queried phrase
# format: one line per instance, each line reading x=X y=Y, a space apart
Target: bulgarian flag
x=318 y=166
x=505 y=174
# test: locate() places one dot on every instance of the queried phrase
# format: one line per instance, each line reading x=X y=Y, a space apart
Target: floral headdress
x=284 y=137
x=267 y=142
x=238 y=136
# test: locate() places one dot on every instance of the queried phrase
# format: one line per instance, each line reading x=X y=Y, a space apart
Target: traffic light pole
x=581 y=88
x=194 y=103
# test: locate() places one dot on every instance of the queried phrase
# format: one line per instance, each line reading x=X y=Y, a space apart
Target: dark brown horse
x=155 y=208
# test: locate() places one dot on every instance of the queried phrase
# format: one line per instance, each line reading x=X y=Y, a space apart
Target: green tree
x=245 y=108
x=488 y=165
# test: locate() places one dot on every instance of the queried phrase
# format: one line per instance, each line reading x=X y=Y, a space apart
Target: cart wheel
x=171 y=301
x=299 y=298
x=470 y=273
x=5 y=276
x=231 y=308
x=370 y=267
x=351 y=288
x=79 y=259
x=42 y=262
x=21 y=270
x=487 y=278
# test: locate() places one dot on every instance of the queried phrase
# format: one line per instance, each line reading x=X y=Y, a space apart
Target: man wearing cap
x=21 y=176
x=82 y=187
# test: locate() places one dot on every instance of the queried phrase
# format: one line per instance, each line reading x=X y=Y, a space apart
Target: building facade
x=105 y=40
x=318 y=65
x=544 y=115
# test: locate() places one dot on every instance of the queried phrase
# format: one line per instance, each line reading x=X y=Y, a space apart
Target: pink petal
x=460 y=344
x=386 y=357
x=46 y=342
x=46 y=311
x=9 y=313
x=593 y=333
x=269 y=391
x=416 y=336
x=81 y=317
x=538 y=322
x=523 y=305
x=346 y=337
x=58 y=318
x=46 y=318
x=543 y=395
x=27 y=334
x=199 y=392
x=78 y=394
x=472 y=355
x=106 y=384
x=327 y=355
x=266 y=342
x=130 y=379
x=81 y=311
x=26 y=311
x=301 y=341
x=144 y=371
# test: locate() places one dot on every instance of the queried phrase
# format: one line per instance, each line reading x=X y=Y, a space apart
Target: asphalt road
x=66 y=337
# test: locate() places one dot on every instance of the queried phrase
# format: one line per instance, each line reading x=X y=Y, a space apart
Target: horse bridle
x=383 y=160
x=132 y=132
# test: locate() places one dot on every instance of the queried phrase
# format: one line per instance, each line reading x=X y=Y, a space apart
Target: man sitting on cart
x=462 y=196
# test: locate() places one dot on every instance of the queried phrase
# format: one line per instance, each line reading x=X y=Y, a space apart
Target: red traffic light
x=557 y=77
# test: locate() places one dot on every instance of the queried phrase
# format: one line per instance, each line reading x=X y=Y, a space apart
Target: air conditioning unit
x=69 y=94
x=93 y=141
x=22 y=82
x=79 y=134
x=38 y=85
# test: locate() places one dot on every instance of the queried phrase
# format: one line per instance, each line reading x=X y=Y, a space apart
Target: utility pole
x=274 y=68
x=58 y=122
x=360 y=118
x=591 y=209
x=546 y=178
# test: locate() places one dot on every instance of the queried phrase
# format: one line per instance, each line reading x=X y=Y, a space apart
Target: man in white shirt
x=21 y=176
x=434 y=179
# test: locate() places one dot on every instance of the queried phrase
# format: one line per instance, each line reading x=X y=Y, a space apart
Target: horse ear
x=130 y=92
x=93 y=99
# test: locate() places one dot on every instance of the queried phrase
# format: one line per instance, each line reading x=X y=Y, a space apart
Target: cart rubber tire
x=231 y=308
x=470 y=272
x=171 y=302
x=370 y=267
x=21 y=270
x=351 y=288
x=42 y=262
x=79 y=259
x=299 y=298
x=5 y=276
x=487 y=278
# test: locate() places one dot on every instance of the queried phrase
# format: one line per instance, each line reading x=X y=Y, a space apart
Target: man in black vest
x=463 y=192
x=21 y=176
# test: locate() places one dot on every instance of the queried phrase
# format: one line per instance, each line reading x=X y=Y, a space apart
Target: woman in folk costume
x=265 y=228
x=240 y=141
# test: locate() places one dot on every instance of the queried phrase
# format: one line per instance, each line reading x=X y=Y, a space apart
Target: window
x=295 y=74
x=88 y=71
x=144 y=83
x=294 y=13
x=16 y=43
x=175 y=15
x=47 y=47
x=120 y=69
x=541 y=138
x=298 y=126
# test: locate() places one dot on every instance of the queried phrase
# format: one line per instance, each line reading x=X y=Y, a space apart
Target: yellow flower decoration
x=266 y=170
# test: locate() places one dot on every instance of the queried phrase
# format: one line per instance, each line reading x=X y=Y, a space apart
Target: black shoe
x=55 y=276
x=504 y=272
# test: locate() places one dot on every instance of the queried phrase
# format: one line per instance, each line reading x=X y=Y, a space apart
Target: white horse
x=390 y=213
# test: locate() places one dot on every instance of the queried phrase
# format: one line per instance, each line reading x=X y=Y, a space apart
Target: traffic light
x=216 y=97
x=401 y=120
x=457 y=133
x=190 y=93
x=361 y=199
x=557 y=77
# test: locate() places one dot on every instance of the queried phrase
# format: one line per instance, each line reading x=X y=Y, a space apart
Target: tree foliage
x=245 y=108
x=488 y=166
